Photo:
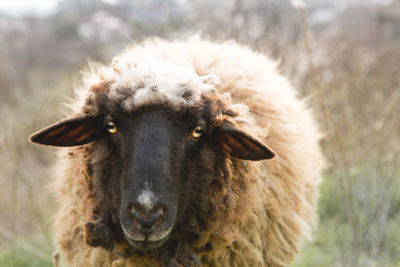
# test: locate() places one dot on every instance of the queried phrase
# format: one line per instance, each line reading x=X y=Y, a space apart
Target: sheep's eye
x=197 y=132
x=110 y=126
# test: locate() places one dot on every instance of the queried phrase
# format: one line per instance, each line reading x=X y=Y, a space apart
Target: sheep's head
x=147 y=145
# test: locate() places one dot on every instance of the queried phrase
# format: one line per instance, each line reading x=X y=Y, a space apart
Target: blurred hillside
x=343 y=55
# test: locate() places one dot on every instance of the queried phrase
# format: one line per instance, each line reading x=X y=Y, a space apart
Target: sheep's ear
x=69 y=132
x=239 y=144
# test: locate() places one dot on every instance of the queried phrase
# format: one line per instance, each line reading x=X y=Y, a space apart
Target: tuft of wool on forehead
x=133 y=83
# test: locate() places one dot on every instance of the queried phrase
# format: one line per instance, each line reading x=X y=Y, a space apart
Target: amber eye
x=110 y=126
x=197 y=132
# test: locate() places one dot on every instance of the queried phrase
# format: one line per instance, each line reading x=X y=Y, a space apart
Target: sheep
x=185 y=153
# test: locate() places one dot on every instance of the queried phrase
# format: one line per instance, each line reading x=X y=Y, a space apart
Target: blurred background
x=344 y=55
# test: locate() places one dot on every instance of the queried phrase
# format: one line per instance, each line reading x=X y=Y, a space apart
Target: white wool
x=147 y=198
x=136 y=83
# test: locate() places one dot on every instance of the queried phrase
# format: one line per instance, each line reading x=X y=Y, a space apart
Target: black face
x=147 y=156
x=148 y=166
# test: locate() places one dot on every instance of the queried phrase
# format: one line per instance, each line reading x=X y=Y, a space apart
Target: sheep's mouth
x=146 y=244
x=147 y=241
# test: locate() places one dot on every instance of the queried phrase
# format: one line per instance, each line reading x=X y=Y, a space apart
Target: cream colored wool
x=274 y=214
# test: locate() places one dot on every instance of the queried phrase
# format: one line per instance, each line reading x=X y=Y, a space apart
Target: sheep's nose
x=146 y=217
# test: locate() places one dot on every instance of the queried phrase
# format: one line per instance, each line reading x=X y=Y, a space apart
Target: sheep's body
x=269 y=206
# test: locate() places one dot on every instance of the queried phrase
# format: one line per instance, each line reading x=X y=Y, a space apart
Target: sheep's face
x=149 y=153
x=144 y=161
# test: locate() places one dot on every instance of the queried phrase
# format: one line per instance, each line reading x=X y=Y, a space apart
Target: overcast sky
x=45 y=7
x=21 y=7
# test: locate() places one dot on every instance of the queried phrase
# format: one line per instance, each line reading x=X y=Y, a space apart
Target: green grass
x=17 y=255
x=373 y=237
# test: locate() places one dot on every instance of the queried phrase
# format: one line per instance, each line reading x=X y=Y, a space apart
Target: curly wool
x=272 y=203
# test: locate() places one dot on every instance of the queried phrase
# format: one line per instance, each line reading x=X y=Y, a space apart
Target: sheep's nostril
x=157 y=213
x=146 y=218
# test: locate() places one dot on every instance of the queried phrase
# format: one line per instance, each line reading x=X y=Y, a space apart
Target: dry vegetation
x=349 y=68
